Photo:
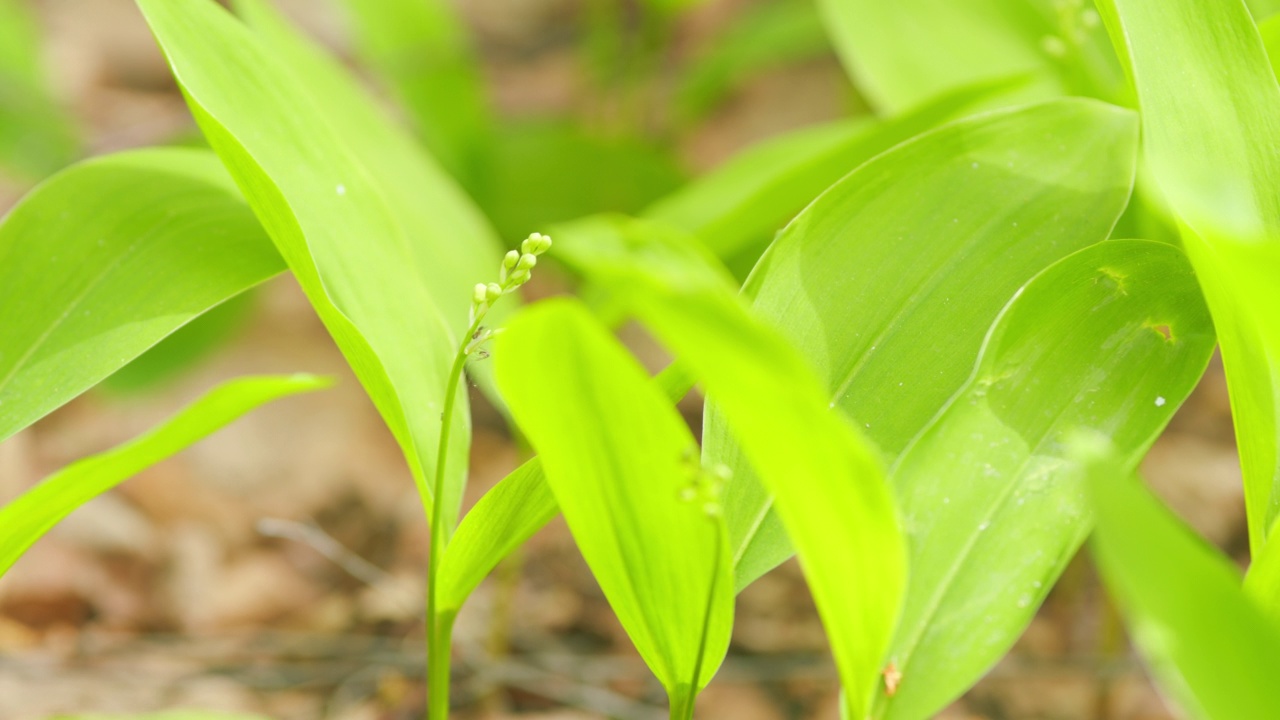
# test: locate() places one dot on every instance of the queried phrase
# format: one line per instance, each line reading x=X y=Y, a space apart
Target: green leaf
x=738 y=208
x=1211 y=147
x=29 y=517
x=890 y=280
x=618 y=458
x=509 y=514
x=1263 y=9
x=1205 y=642
x=106 y=259
x=829 y=480
x=1111 y=339
x=36 y=136
x=185 y=348
x=904 y=53
x=421 y=50
x=385 y=248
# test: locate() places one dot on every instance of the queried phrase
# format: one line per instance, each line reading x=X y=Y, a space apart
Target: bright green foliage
x=345 y=198
x=421 y=50
x=828 y=479
x=1207 y=644
x=905 y=52
x=36 y=137
x=620 y=461
x=449 y=239
x=889 y=282
x=1211 y=146
x=505 y=517
x=107 y=258
x=1112 y=339
x=738 y=208
x=510 y=514
x=1263 y=9
x=187 y=346
x=26 y=519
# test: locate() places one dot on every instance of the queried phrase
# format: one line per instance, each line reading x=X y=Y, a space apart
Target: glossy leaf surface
x=1206 y=643
x=109 y=257
x=903 y=53
x=890 y=280
x=1111 y=339
x=738 y=208
x=619 y=458
x=27 y=518
x=1211 y=147
x=828 y=479
x=337 y=188
x=510 y=513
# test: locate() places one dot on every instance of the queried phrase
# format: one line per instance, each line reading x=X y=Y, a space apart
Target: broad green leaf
x=829 y=481
x=906 y=52
x=185 y=348
x=106 y=259
x=1211 y=147
x=1206 y=643
x=36 y=136
x=890 y=280
x=1111 y=339
x=420 y=49
x=345 y=198
x=1263 y=9
x=763 y=36
x=738 y=208
x=450 y=239
x=509 y=514
x=27 y=518
x=618 y=458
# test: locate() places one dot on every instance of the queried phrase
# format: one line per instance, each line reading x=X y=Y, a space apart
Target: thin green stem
x=682 y=705
x=440 y=627
x=438 y=666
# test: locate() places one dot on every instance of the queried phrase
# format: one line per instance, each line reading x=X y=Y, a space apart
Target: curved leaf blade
x=326 y=202
x=109 y=257
x=889 y=282
x=1211 y=146
x=35 y=512
x=618 y=458
x=738 y=208
x=1205 y=642
x=1111 y=339
x=904 y=53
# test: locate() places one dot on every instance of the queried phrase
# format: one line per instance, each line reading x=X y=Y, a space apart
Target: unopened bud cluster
x=706 y=487
x=517 y=268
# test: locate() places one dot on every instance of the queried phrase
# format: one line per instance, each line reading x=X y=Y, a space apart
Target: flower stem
x=440 y=625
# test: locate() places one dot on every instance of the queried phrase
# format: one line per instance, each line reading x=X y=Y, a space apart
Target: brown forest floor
x=168 y=592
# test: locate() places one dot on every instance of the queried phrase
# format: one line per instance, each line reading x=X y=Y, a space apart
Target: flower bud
x=493 y=291
x=527 y=262
x=535 y=244
x=480 y=293
x=510 y=259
